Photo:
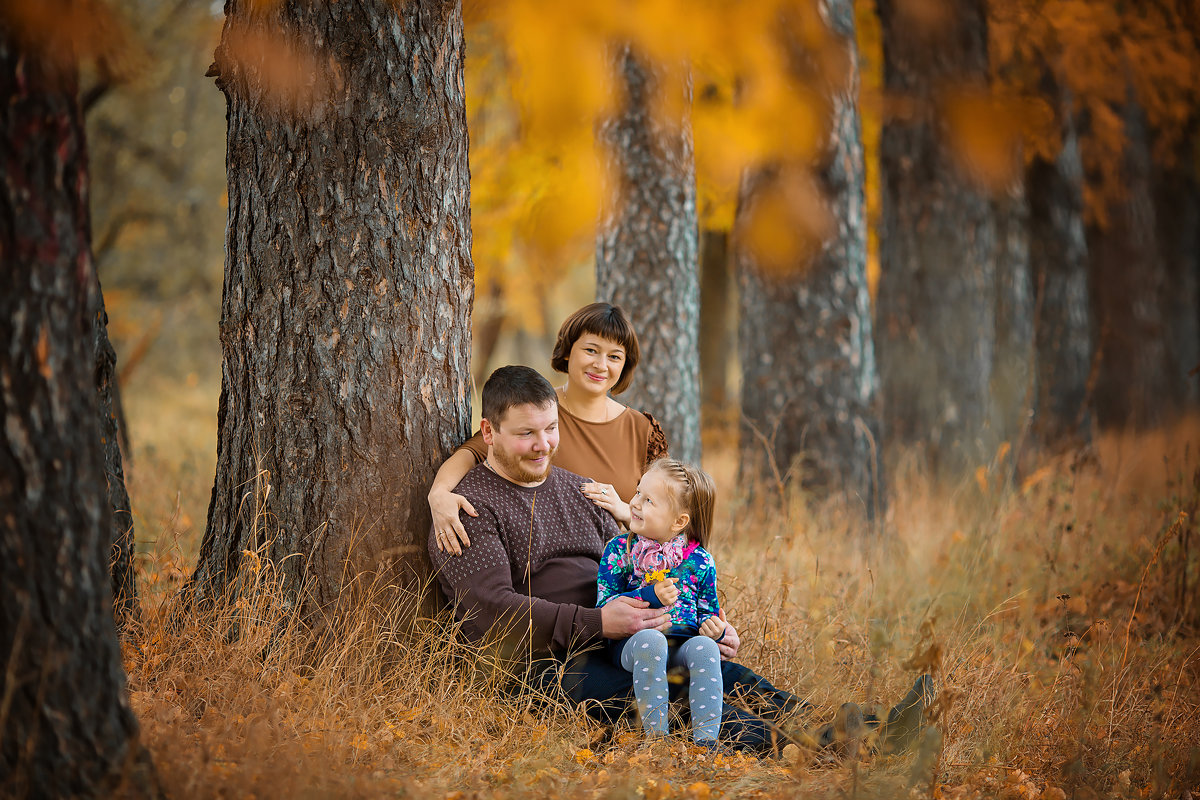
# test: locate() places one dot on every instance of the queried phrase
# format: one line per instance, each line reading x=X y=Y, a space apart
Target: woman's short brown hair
x=606 y=321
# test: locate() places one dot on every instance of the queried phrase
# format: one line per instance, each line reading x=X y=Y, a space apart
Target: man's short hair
x=514 y=386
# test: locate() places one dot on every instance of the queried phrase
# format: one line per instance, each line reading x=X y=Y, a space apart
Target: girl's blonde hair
x=692 y=490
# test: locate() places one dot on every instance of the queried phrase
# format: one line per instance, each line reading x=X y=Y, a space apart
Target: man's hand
x=448 y=528
x=712 y=627
x=622 y=617
x=667 y=592
x=730 y=644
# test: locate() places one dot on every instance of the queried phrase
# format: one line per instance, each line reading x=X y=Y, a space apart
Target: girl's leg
x=645 y=656
x=703 y=660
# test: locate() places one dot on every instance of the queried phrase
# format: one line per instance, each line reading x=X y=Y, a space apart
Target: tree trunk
x=809 y=379
x=121 y=564
x=647 y=253
x=345 y=321
x=1059 y=260
x=935 y=318
x=1134 y=382
x=1012 y=391
x=716 y=290
x=1177 y=210
x=67 y=729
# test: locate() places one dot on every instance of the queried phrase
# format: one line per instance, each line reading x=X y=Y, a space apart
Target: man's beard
x=519 y=469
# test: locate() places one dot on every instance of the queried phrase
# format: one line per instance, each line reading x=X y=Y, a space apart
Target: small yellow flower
x=656 y=576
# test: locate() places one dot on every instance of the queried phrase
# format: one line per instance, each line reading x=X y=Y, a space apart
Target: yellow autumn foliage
x=540 y=79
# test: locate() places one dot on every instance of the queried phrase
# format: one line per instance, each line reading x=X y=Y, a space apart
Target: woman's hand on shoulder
x=606 y=497
x=448 y=528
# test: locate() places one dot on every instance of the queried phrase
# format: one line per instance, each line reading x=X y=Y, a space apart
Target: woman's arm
x=444 y=505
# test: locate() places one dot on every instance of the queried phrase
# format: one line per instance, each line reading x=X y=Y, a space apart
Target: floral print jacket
x=696 y=579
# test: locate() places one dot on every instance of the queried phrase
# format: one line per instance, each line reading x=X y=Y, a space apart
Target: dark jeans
x=605 y=690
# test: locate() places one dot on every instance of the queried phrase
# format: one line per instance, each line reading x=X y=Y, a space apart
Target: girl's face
x=595 y=363
x=652 y=512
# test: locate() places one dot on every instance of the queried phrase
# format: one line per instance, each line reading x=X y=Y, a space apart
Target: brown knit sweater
x=551 y=527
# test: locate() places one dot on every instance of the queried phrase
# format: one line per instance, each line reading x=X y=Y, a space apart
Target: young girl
x=662 y=560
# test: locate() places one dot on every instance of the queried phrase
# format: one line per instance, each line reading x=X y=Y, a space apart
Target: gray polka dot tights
x=647 y=657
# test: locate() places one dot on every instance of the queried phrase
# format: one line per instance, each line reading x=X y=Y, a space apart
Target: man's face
x=523 y=443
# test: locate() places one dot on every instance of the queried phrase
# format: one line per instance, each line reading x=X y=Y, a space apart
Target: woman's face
x=595 y=364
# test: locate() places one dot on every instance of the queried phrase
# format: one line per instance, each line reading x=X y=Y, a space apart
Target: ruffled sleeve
x=656 y=442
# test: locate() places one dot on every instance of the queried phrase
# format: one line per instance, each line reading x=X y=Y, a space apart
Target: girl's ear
x=681 y=522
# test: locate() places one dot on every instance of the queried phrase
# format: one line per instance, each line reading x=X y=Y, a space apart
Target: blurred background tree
x=647 y=249
x=809 y=380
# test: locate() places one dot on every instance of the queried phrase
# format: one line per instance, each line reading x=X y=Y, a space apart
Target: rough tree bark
x=121 y=564
x=809 y=379
x=67 y=729
x=935 y=317
x=346 y=312
x=1059 y=261
x=1134 y=381
x=647 y=252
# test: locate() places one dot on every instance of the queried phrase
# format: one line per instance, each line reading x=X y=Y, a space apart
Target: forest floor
x=1059 y=613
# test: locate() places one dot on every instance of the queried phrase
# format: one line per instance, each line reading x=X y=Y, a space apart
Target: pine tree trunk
x=809 y=379
x=647 y=253
x=935 y=318
x=1134 y=382
x=716 y=289
x=66 y=728
x=121 y=564
x=1059 y=261
x=1012 y=392
x=345 y=323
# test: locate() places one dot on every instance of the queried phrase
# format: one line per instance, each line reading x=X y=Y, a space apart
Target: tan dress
x=615 y=452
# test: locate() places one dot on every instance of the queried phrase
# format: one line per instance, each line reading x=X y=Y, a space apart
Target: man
x=530 y=572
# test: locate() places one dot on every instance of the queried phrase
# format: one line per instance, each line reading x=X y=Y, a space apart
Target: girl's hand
x=730 y=644
x=666 y=591
x=605 y=496
x=448 y=528
x=713 y=628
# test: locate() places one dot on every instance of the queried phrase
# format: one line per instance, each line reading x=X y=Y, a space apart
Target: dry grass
x=1064 y=641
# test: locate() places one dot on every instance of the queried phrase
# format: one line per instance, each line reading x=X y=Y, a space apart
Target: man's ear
x=681 y=522
x=488 y=432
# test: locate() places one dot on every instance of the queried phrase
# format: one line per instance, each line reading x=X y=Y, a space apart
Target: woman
x=599 y=438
